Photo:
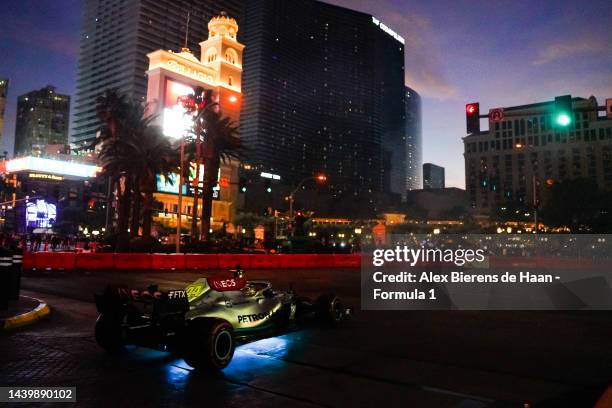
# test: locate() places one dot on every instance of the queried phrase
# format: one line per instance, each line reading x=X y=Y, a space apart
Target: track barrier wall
x=69 y=261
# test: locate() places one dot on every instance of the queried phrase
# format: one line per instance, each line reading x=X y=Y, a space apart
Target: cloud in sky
x=564 y=49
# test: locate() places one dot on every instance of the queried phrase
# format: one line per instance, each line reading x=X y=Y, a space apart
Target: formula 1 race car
x=204 y=322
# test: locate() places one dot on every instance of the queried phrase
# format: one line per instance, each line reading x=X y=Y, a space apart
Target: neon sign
x=387 y=30
x=64 y=168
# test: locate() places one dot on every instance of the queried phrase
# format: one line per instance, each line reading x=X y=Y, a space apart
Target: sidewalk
x=25 y=311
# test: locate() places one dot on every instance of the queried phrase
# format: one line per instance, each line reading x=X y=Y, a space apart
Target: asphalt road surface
x=405 y=359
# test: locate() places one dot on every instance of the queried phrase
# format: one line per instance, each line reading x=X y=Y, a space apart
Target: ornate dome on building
x=222 y=26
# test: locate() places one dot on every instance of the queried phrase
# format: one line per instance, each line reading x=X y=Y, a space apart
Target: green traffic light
x=269 y=189
x=563 y=119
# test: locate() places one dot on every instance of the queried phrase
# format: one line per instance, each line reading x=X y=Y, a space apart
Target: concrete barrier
x=168 y=261
x=201 y=261
x=55 y=260
x=94 y=261
x=142 y=261
x=132 y=261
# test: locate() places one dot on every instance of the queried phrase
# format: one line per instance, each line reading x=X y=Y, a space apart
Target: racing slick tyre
x=329 y=310
x=209 y=344
x=108 y=333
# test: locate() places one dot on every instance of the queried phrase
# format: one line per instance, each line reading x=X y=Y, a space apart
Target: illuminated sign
x=270 y=176
x=45 y=176
x=40 y=214
x=387 y=30
x=64 y=168
x=189 y=71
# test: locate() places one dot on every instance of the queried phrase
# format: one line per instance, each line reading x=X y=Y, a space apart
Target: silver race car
x=205 y=321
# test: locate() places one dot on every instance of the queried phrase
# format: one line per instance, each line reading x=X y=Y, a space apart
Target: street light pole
x=292 y=194
x=180 y=198
x=305 y=179
x=535 y=204
x=534 y=191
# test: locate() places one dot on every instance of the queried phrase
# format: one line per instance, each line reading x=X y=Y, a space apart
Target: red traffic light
x=472 y=117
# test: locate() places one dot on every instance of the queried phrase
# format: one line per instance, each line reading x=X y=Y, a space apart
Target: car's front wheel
x=208 y=344
x=329 y=310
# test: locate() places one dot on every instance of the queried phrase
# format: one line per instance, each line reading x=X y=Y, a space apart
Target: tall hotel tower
x=117 y=36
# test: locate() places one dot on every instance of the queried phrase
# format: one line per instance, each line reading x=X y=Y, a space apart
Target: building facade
x=433 y=176
x=524 y=151
x=437 y=203
x=117 y=36
x=4 y=83
x=414 y=140
x=52 y=195
x=42 y=119
x=172 y=76
x=323 y=93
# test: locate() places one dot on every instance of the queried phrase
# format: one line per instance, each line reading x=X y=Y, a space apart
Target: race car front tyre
x=108 y=333
x=208 y=344
x=329 y=310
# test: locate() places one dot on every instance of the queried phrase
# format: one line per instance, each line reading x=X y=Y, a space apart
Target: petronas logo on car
x=253 y=317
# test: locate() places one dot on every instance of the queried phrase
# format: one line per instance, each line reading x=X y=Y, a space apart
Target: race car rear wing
x=118 y=299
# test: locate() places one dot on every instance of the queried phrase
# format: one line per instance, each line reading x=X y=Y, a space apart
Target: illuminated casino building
x=116 y=37
x=51 y=195
x=324 y=93
x=173 y=75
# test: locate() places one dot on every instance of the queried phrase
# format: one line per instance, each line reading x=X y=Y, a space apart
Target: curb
x=26 y=318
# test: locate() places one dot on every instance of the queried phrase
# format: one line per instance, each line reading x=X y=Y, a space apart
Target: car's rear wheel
x=329 y=309
x=209 y=344
x=109 y=334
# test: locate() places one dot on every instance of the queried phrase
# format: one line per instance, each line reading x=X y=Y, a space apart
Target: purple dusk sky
x=499 y=53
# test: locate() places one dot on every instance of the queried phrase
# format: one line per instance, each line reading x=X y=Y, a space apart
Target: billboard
x=40 y=214
x=176 y=122
x=170 y=184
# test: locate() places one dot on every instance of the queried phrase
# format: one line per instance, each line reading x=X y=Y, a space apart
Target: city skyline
x=455 y=53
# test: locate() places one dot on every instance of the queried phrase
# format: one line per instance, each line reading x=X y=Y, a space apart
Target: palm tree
x=110 y=109
x=153 y=155
x=220 y=144
x=132 y=152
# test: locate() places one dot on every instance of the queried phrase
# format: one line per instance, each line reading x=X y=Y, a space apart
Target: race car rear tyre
x=329 y=310
x=209 y=344
x=108 y=333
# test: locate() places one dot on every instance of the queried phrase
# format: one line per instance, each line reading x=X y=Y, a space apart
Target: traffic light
x=268 y=186
x=563 y=114
x=472 y=117
x=242 y=185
